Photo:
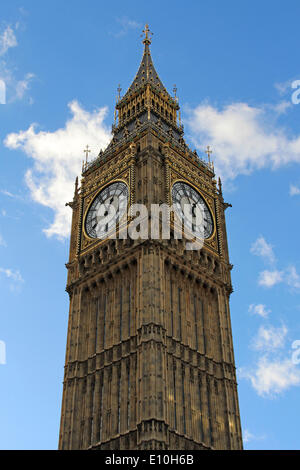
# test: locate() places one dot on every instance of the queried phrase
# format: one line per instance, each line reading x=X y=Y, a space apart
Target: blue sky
x=234 y=64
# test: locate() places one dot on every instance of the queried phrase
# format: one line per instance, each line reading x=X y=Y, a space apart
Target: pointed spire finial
x=220 y=186
x=76 y=187
x=175 y=91
x=147 y=32
x=86 y=151
x=209 y=152
x=119 y=89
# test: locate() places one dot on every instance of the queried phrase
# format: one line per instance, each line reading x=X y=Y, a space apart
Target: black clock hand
x=185 y=193
x=193 y=209
x=106 y=206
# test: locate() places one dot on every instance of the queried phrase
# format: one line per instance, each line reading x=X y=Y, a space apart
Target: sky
x=236 y=68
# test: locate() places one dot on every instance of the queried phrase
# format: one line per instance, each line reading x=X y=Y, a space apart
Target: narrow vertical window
x=101 y=408
x=183 y=401
x=96 y=323
x=160 y=375
x=209 y=411
x=200 y=408
x=104 y=320
x=119 y=402
x=179 y=313
x=174 y=386
x=128 y=396
x=83 y=403
x=203 y=327
x=93 y=391
x=108 y=422
x=129 y=309
x=121 y=311
x=81 y=433
x=171 y=305
x=195 y=322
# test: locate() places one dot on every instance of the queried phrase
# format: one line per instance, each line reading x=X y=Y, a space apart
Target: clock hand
x=193 y=209
x=106 y=206
x=185 y=193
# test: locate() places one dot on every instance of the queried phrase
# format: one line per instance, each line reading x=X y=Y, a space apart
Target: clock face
x=106 y=210
x=192 y=210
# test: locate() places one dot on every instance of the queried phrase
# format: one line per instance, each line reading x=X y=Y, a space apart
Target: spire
x=146 y=107
x=146 y=72
x=147 y=100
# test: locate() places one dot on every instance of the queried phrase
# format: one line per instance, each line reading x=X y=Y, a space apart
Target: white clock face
x=106 y=210
x=192 y=209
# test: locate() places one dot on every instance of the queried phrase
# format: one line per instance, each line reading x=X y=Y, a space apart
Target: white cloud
x=57 y=160
x=23 y=85
x=11 y=274
x=259 y=309
x=294 y=190
x=7 y=40
x=270 y=278
x=2 y=241
x=11 y=195
x=126 y=25
x=15 y=278
x=292 y=277
x=283 y=87
x=272 y=377
x=261 y=248
x=15 y=88
x=282 y=107
x=269 y=338
x=248 y=436
x=273 y=372
x=288 y=276
x=244 y=138
x=6 y=193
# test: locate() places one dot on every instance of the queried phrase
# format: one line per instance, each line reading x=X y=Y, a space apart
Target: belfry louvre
x=149 y=357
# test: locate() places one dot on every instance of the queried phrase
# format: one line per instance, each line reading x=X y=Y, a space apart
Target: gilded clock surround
x=149 y=357
x=89 y=202
x=209 y=202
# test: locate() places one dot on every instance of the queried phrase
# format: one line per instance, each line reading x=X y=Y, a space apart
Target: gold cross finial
x=86 y=151
x=147 y=33
x=209 y=152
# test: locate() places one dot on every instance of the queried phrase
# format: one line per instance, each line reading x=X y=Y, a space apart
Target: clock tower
x=149 y=358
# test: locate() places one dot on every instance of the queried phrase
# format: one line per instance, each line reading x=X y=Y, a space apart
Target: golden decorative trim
x=91 y=199
x=209 y=204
